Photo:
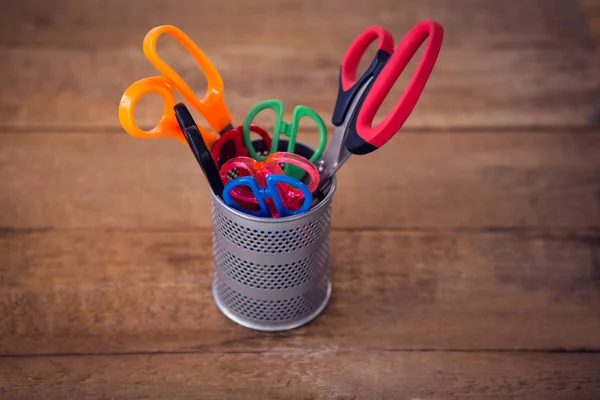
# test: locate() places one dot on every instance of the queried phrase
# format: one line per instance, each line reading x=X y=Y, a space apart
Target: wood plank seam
x=308 y=351
x=551 y=232
x=472 y=129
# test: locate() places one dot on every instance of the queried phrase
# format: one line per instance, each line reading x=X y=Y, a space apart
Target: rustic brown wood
x=94 y=292
x=465 y=254
x=315 y=375
x=504 y=63
x=591 y=9
x=69 y=23
x=427 y=180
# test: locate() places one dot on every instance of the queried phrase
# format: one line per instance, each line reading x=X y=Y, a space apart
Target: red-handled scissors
x=359 y=98
x=234 y=138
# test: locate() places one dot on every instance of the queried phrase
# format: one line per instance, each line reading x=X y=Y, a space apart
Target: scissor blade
x=336 y=153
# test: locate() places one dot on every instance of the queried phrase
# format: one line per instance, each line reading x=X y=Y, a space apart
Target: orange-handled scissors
x=212 y=107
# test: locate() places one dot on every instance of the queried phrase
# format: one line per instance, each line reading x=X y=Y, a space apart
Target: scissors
x=290 y=193
x=234 y=136
x=359 y=98
x=196 y=142
x=212 y=107
x=268 y=192
x=289 y=130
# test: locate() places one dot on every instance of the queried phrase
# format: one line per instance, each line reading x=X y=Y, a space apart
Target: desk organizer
x=272 y=274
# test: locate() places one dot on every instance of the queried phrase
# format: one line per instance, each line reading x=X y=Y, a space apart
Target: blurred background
x=65 y=65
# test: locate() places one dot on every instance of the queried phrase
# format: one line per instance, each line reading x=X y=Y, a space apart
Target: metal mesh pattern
x=271 y=274
x=272 y=277
x=276 y=311
x=271 y=241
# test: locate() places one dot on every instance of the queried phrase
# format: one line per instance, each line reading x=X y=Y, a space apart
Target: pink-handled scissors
x=359 y=98
x=292 y=197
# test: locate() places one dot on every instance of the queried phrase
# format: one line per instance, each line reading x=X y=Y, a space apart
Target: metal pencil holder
x=272 y=274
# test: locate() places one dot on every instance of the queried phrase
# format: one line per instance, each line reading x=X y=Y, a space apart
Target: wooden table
x=465 y=254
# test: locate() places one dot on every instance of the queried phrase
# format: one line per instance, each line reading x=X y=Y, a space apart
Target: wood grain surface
x=93 y=292
x=428 y=180
x=591 y=9
x=509 y=63
x=373 y=375
x=465 y=254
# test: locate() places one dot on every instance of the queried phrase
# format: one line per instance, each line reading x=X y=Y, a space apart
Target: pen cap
x=272 y=274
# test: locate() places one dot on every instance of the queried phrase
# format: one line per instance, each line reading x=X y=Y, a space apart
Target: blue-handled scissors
x=269 y=192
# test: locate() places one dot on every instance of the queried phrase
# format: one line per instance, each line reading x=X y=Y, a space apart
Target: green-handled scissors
x=289 y=130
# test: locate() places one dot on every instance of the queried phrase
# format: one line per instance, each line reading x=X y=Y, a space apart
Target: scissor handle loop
x=289 y=130
x=167 y=126
x=212 y=106
x=251 y=166
x=231 y=136
x=273 y=180
x=275 y=105
x=270 y=191
x=249 y=182
x=291 y=195
x=273 y=161
x=375 y=137
x=350 y=84
x=299 y=113
x=260 y=170
x=358 y=48
x=235 y=136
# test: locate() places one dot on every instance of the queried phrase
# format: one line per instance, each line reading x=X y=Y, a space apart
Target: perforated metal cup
x=272 y=274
